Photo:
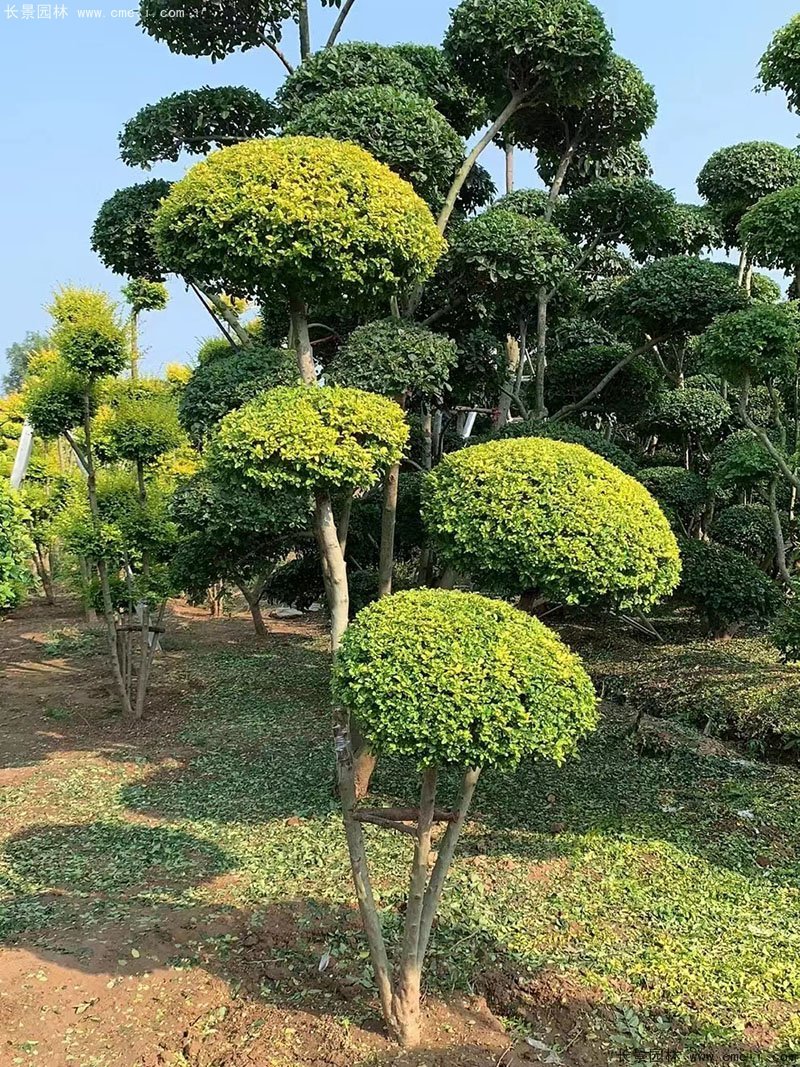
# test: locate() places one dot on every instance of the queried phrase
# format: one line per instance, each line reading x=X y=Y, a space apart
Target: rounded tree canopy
x=209 y=28
x=534 y=514
x=760 y=342
x=694 y=228
x=122 y=234
x=573 y=434
x=677 y=295
x=746 y=528
x=736 y=178
x=740 y=461
x=397 y=127
x=195 y=121
x=631 y=211
x=771 y=230
x=690 y=411
x=557 y=50
x=300 y=215
x=501 y=258
x=780 y=65
x=630 y=161
x=53 y=399
x=463 y=108
x=87 y=333
x=679 y=492
x=311 y=437
x=445 y=677
x=138 y=422
x=726 y=587
x=143 y=295
x=394 y=357
x=573 y=372
x=532 y=203
x=226 y=380
x=619 y=112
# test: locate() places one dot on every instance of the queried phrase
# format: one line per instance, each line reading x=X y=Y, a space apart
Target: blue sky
x=69 y=84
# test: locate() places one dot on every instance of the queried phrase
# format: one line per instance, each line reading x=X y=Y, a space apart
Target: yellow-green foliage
x=310 y=216
x=308 y=437
x=87 y=332
x=534 y=514
x=138 y=422
x=455 y=678
x=15 y=547
x=54 y=398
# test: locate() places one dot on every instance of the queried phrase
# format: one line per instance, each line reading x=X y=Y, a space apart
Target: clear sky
x=68 y=84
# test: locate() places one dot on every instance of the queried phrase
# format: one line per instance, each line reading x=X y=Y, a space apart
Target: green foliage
x=477 y=191
x=571 y=434
x=226 y=380
x=784 y=632
x=628 y=161
x=632 y=211
x=771 y=229
x=15 y=548
x=122 y=234
x=726 y=587
x=780 y=66
x=17 y=357
x=364 y=532
x=746 y=528
x=54 y=400
x=394 y=357
x=763 y=289
x=463 y=108
x=499 y=260
x=734 y=179
x=534 y=514
x=696 y=412
x=481 y=369
x=618 y=114
x=681 y=493
x=138 y=423
x=195 y=121
x=310 y=438
x=444 y=677
x=693 y=229
x=679 y=295
x=559 y=50
x=301 y=215
x=144 y=295
x=759 y=343
x=740 y=461
x=92 y=349
x=532 y=203
x=204 y=28
x=397 y=127
x=230 y=534
x=572 y=373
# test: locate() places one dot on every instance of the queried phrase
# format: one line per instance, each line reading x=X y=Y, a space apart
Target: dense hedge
x=533 y=514
x=15 y=549
x=455 y=678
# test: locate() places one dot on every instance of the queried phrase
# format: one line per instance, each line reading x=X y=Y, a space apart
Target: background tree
x=17 y=357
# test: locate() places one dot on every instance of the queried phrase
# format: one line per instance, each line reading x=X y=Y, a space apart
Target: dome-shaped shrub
x=533 y=514
x=303 y=215
x=312 y=437
x=138 y=423
x=677 y=490
x=748 y=529
x=760 y=342
x=446 y=677
x=571 y=433
x=393 y=357
x=741 y=460
x=725 y=587
x=690 y=411
x=122 y=234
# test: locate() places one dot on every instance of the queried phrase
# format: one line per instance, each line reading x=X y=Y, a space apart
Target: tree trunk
x=540 y=410
x=334 y=568
x=391 y=486
x=780 y=541
x=513 y=358
x=44 y=574
x=253 y=598
x=134 y=345
x=305 y=30
x=509 y=148
x=305 y=353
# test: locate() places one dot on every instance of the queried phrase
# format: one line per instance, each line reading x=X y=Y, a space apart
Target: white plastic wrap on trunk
x=23 y=457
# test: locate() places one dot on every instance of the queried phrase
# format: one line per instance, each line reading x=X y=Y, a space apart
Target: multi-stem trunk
x=102 y=566
x=252 y=594
x=43 y=570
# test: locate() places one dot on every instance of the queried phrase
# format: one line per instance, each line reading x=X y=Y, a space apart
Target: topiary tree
x=397 y=127
x=629 y=161
x=520 y=52
x=734 y=179
x=682 y=494
x=15 y=549
x=447 y=679
x=631 y=211
x=534 y=515
x=634 y=388
x=318 y=219
x=142 y=295
x=746 y=528
x=771 y=230
x=726 y=588
x=780 y=67
x=571 y=434
x=398 y=359
x=225 y=379
x=233 y=534
x=122 y=232
x=317 y=440
x=691 y=416
x=195 y=121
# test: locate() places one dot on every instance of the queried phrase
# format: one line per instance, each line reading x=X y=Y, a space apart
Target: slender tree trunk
x=134 y=345
x=514 y=361
x=780 y=541
x=391 y=487
x=540 y=408
x=334 y=568
x=44 y=574
x=253 y=598
x=509 y=149
x=742 y=268
x=302 y=338
x=305 y=30
x=340 y=21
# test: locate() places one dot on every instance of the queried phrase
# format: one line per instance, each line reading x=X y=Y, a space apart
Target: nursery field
x=177 y=892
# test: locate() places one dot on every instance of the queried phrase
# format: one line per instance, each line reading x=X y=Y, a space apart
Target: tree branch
x=568 y=409
x=340 y=21
x=274 y=48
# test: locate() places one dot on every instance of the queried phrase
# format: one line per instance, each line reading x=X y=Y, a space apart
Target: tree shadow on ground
x=132 y=927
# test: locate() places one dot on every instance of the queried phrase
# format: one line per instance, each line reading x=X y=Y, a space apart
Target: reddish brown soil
x=99 y=1002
